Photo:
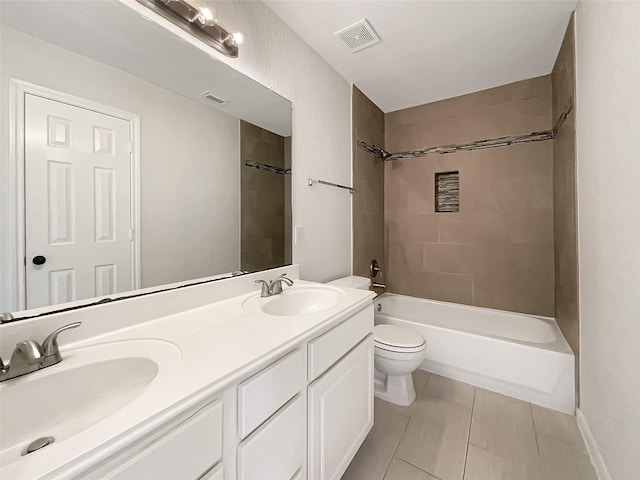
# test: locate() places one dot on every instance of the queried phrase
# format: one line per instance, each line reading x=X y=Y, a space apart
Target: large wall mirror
x=131 y=158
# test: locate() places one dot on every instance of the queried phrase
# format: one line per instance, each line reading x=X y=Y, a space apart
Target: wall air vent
x=213 y=98
x=358 y=36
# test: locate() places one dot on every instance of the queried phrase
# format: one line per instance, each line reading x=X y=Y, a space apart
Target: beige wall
x=189 y=166
x=608 y=168
x=498 y=250
x=262 y=199
x=564 y=195
x=368 y=174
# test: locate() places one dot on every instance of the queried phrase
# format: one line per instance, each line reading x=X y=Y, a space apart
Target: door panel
x=104 y=204
x=61 y=200
x=105 y=279
x=77 y=203
x=62 y=285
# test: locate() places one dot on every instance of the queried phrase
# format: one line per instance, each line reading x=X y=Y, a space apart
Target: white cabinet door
x=340 y=413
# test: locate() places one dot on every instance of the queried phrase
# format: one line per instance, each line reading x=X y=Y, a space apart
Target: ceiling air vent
x=358 y=36
x=213 y=98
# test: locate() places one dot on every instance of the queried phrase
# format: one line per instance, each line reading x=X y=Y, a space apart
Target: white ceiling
x=432 y=50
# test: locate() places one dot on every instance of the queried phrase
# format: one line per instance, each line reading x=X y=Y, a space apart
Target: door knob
x=39 y=260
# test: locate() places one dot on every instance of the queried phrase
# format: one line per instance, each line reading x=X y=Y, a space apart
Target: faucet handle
x=276 y=284
x=50 y=344
x=266 y=288
x=29 y=352
x=26 y=358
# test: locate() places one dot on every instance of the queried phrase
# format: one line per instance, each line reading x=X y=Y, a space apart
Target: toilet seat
x=393 y=338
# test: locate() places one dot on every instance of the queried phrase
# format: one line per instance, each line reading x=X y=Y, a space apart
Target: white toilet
x=398 y=352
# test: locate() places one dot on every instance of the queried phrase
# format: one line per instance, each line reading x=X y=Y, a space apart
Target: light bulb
x=207 y=14
x=238 y=38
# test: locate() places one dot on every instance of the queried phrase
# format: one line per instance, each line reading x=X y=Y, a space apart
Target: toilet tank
x=353 y=281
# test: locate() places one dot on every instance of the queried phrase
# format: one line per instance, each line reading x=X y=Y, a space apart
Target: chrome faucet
x=274 y=287
x=29 y=356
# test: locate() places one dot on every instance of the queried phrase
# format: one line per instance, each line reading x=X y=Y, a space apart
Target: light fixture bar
x=197 y=22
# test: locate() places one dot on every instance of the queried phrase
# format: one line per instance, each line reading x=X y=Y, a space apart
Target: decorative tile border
x=477 y=145
x=268 y=168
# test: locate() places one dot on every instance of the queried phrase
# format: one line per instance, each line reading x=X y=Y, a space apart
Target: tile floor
x=454 y=431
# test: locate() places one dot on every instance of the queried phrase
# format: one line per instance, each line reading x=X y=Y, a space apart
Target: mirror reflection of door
x=78 y=194
x=187 y=159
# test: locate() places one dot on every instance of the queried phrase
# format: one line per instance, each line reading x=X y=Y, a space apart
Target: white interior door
x=78 y=236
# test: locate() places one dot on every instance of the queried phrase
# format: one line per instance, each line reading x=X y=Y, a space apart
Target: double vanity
x=226 y=384
x=156 y=177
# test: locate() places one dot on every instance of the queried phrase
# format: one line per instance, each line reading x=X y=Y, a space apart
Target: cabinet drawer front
x=264 y=393
x=327 y=349
x=276 y=450
x=340 y=413
x=185 y=452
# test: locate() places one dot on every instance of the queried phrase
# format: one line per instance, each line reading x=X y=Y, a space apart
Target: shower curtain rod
x=477 y=145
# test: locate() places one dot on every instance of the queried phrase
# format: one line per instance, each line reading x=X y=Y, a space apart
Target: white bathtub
x=522 y=356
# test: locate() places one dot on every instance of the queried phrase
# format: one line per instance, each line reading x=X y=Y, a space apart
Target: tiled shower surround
x=564 y=196
x=497 y=251
x=368 y=174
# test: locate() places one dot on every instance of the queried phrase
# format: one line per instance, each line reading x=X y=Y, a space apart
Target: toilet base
x=397 y=389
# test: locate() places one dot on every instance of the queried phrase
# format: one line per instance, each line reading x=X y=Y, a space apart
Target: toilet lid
x=393 y=337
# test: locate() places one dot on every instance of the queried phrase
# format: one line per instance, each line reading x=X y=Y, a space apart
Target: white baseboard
x=594 y=453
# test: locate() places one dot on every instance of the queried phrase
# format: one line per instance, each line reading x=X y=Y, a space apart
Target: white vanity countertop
x=219 y=344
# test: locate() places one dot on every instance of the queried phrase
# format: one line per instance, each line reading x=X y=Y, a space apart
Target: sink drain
x=38 y=444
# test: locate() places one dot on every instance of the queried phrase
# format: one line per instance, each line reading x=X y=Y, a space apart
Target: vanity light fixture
x=200 y=20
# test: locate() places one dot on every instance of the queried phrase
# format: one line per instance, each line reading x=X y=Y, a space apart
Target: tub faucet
x=379 y=285
x=29 y=356
x=274 y=287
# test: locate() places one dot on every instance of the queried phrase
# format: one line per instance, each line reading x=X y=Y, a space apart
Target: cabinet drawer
x=264 y=393
x=327 y=349
x=276 y=450
x=185 y=452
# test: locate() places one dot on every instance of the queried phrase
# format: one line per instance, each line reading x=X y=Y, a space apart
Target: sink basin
x=297 y=301
x=89 y=385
